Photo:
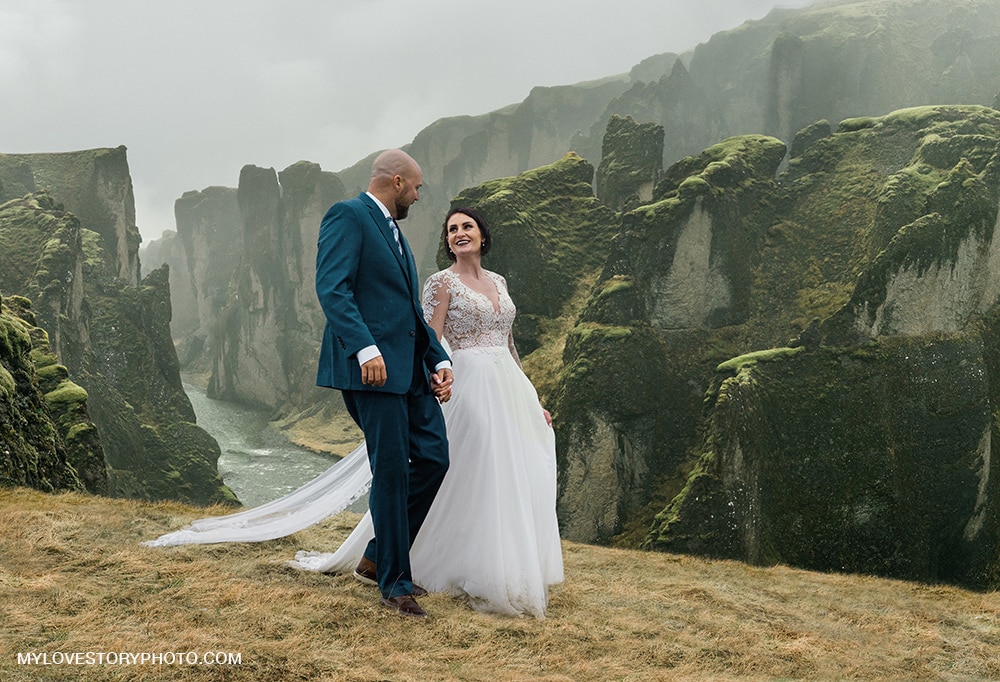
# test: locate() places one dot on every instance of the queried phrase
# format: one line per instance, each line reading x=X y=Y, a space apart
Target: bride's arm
x=435 y=303
x=513 y=348
x=502 y=282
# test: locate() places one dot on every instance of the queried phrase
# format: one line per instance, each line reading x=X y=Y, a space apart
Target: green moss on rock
x=66 y=392
x=835 y=459
x=34 y=455
x=631 y=159
x=747 y=360
x=7 y=385
x=111 y=370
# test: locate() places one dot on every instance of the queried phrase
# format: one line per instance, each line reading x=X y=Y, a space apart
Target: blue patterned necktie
x=395 y=233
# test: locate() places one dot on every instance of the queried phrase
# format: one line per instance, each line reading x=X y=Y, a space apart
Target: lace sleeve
x=435 y=302
x=429 y=302
x=513 y=349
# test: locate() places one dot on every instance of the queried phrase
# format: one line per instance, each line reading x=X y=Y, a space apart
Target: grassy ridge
x=73 y=578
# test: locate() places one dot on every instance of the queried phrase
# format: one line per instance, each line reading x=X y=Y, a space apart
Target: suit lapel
x=382 y=223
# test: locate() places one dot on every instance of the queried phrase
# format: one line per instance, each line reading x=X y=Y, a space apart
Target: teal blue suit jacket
x=370 y=295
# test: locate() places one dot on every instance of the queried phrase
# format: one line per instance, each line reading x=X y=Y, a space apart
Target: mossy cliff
x=44 y=429
x=107 y=342
x=872 y=459
x=631 y=160
x=154 y=448
x=855 y=429
x=673 y=288
x=95 y=186
x=264 y=342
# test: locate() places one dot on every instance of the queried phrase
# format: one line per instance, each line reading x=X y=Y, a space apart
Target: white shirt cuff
x=367 y=353
x=444 y=364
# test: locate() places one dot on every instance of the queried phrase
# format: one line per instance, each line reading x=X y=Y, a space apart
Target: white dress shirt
x=370 y=352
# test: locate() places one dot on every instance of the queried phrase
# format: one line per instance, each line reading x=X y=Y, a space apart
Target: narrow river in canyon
x=257 y=463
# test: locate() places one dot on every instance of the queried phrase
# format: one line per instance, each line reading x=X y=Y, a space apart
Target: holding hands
x=373 y=374
x=441 y=382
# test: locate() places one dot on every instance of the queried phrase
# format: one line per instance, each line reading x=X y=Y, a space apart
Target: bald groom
x=388 y=364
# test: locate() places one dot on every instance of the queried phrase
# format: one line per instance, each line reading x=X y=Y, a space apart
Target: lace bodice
x=471 y=320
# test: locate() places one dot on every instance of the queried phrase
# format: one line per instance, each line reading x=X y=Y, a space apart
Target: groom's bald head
x=396 y=180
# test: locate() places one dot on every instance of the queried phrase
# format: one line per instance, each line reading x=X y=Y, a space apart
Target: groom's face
x=408 y=191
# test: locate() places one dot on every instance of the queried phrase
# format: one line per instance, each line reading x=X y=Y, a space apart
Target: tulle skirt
x=491 y=535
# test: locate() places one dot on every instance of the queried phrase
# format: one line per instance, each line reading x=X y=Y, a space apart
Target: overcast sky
x=196 y=89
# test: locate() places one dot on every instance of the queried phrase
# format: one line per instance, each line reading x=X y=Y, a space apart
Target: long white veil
x=330 y=493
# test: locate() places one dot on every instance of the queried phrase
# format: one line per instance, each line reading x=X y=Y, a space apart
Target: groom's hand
x=441 y=382
x=373 y=372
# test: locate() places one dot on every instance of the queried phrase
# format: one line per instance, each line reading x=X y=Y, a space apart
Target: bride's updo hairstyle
x=484 y=230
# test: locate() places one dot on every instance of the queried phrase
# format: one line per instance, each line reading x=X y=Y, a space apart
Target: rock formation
x=856 y=430
x=268 y=333
x=43 y=420
x=726 y=334
x=107 y=340
x=631 y=160
x=95 y=187
x=677 y=268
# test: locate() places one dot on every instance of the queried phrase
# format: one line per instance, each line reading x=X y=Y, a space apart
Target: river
x=257 y=463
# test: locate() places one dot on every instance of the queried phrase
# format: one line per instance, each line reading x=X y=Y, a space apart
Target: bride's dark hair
x=484 y=230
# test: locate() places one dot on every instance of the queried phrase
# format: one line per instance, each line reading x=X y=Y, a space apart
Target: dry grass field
x=75 y=582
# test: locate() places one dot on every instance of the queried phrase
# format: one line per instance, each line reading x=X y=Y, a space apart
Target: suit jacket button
x=413 y=333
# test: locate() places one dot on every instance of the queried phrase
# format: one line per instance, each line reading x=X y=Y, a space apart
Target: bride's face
x=464 y=236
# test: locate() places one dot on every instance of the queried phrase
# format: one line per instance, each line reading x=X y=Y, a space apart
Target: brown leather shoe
x=365 y=572
x=405 y=605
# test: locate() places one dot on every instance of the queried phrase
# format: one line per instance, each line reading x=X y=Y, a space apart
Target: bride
x=491 y=536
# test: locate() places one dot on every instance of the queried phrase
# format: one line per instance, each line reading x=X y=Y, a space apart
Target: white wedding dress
x=491 y=536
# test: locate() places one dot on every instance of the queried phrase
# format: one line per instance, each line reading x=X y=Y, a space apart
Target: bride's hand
x=548 y=417
x=441 y=385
